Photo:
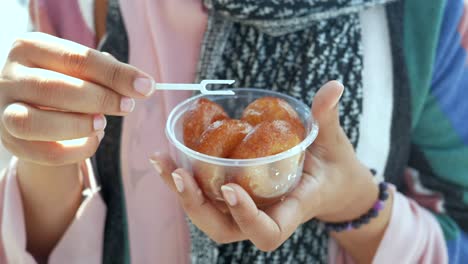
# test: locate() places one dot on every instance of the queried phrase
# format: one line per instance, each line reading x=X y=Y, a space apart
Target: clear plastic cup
x=267 y=179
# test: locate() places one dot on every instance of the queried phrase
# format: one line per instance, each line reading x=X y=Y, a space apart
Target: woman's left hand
x=335 y=187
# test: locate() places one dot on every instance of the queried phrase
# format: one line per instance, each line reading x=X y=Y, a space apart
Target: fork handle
x=178 y=86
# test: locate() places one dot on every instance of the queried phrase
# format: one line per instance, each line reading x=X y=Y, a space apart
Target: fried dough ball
x=266 y=139
x=266 y=184
x=210 y=178
x=218 y=140
x=221 y=137
x=200 y=115
x=268 y=126
x=270 y=109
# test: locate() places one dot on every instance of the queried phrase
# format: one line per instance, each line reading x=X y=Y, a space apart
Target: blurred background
x=14 y=21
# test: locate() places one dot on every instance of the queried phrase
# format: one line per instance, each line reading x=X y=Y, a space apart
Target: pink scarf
x=166 y=47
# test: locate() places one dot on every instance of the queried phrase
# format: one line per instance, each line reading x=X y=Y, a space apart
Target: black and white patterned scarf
x=294 y=47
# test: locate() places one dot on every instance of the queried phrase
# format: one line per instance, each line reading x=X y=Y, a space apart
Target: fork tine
x=204 y=83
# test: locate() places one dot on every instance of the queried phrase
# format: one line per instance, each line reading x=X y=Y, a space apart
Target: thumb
x=325 y=111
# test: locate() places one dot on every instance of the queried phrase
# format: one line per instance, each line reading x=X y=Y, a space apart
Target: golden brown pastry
x=269 y=126
x=267 y=138
x=268 y=183
x=210 y=178
x=270 y=109
x=218 y=140
x=221 y=137
x=200 y=115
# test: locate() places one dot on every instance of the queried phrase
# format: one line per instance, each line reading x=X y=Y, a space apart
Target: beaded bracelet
x=365 y=218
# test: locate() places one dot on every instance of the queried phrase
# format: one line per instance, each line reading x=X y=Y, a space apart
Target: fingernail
x=127 y=104
x=341 y=94
x=156 y=165
x=229 y=195
x=342 y=91
x=144 y=86
x=100 y=135
x=179 y=184
x=99 y=122
x=107 y=54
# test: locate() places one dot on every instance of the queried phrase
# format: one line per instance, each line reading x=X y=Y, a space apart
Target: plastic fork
x=197 y=87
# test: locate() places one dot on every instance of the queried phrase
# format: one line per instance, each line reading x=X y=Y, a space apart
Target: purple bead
x=356 y=224
x=338 y=227
x=373 y=213
x=378 y=206
x=349 y=226
x=383 y=196
x=383 y=187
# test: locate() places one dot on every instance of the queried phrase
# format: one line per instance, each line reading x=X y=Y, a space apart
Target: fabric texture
x=166 y=47
x=401 y=117
x=68 y=22
x=262 y=45
x=438 y=70
x=421 y=225
x=441 y=152
x=82 y=239
x=428 y=248
x=116 y=244
x=456 y=243
x=376 y=121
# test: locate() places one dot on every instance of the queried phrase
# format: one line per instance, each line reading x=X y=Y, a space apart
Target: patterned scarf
x=292 y=47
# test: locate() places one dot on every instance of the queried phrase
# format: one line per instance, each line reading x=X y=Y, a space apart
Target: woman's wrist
x=370 y=235
x=50 y=196
x=361 y=196
x=364 y=218
x=358 y=194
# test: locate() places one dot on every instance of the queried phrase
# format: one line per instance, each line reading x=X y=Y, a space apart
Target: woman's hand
x=52 y=91
x=335 y=187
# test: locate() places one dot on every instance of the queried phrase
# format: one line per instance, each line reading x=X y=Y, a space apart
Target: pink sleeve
x=40 y=17
x=81 y=242
x=72 y=20
x=412 y=236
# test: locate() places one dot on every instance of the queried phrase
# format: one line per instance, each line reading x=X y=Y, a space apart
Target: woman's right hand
x=52 y=90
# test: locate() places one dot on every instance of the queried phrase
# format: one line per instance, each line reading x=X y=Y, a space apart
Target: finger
x=221 y=206
x=266 y=232
x=52 y=153
x=164 y=166
x=60 y=55
x=311 y=184
x=52 y=89
x=105 y=53
x=312 y=164
x=30 y=123
x=290 y=213
x=325 y=110
x=299 y=206
x=202 y=213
